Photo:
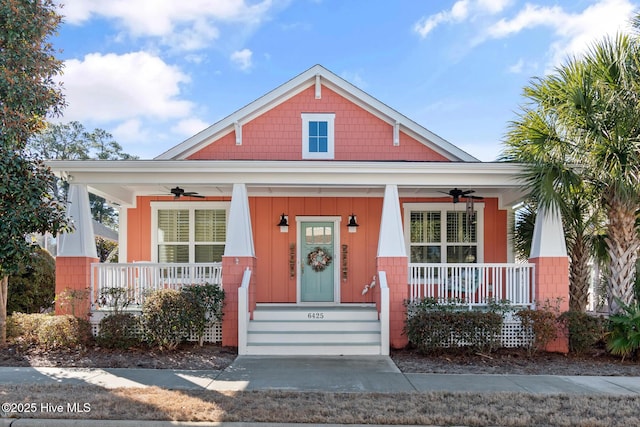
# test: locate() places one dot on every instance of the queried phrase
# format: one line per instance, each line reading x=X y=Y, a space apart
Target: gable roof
x=314 y=75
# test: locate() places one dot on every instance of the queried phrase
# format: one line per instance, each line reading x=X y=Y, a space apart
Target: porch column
x=392 y=259
x=549 y=254
x=239 y=254
x=76 y=253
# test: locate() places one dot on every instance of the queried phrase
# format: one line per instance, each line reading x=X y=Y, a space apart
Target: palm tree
x=579 y=134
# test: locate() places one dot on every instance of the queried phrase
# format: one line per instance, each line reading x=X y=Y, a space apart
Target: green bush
x=211 y=300
x=119 y=330
x=431 y=326
x=32 y=289
x=167 y=316
x=64 y=331
x=25 y=327
x=585 y=331
x=542 y=323
x=624 y=335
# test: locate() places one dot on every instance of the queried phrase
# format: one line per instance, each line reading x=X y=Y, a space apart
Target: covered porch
x=256 y=276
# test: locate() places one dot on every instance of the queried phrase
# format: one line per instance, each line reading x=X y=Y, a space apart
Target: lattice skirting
x=513 y=334
x=212 y=334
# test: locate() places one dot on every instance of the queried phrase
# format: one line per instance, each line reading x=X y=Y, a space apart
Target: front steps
x=289 y=329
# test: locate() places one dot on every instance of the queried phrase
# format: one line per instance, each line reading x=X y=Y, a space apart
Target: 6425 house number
x=316 y=316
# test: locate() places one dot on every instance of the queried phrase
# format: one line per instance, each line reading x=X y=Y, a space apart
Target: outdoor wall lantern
x=284 y=223
x=352 y=225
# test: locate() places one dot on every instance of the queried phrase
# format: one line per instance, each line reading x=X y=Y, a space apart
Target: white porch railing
x=140 y=278
x=474 y=285
x=244 y=313
x=384 y=313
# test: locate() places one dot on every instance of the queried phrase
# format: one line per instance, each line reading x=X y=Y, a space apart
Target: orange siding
x=495 y=227
x=139 y=226
x=277 y=134
x=274 y=283
x=272 y=272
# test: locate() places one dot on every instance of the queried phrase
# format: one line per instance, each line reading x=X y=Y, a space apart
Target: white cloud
x=573 y=32
x=242 y=59
x=186 y=25
x=130 y=131
x=121 y=87
x=461 y=11
x=189 y=127
x=517 y=67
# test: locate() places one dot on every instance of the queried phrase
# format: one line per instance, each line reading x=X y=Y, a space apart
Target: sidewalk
x=320 y=374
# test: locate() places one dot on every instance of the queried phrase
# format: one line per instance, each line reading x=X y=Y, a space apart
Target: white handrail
x=473 y=284
x=243 y=312
x=139 y=278
x=384 y=313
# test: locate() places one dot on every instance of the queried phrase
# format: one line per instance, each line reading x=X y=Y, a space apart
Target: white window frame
x=443 y=208
x=191 y=207
x=318 y=117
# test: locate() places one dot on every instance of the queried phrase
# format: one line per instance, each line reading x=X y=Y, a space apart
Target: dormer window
x=317 y=135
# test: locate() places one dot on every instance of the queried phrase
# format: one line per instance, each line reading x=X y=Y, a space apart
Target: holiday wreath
x=319 y=259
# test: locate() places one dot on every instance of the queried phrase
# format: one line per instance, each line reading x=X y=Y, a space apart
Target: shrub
x=72 y=300
x=585 y=331
x=119 y=330
x=64 y=331
x=32 y=289
x=624 y=336
x=432 y=326
x=167 y=317
x=542 y=323
x=25 y=327
x=210 y=298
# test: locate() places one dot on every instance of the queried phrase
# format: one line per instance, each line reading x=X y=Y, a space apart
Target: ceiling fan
x=456 y=194
x=179 y=192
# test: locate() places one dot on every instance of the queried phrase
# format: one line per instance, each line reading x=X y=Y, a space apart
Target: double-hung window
x=444 y=233
x=317 y=135
x=189 y=232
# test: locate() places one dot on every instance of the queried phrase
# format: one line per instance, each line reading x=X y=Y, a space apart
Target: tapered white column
x=239 y=231
x=81 y=241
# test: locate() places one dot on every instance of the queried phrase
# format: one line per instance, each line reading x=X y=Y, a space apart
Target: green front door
x=318 y=261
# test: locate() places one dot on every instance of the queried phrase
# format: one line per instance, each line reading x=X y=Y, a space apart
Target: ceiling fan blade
x=193 y=194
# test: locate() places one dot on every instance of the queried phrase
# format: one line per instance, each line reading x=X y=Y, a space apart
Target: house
x=320 y=210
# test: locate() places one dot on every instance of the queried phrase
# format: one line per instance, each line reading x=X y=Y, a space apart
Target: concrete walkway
x=321 y=374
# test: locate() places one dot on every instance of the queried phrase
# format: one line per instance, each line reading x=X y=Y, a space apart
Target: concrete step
x=313 y=349
x=313 y=312
x=314 y=325
x=318 y=337
x=290 y=329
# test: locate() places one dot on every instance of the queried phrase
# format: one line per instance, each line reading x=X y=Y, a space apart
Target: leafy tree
x=579 y=134
x=71 y=141
x=28 y=94
x=32 y=289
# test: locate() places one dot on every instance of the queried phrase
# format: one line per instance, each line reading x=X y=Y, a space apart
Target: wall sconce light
x=284 y=223
x=352 y=225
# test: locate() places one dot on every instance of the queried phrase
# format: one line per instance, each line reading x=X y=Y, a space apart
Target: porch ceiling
x=121 y=181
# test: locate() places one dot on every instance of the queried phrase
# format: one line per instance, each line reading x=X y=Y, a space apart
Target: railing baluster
x=473 y=284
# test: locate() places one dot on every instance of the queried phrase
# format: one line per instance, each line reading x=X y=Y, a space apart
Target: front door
x=318 y=262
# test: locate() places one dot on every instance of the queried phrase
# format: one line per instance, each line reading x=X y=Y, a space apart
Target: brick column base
x=73 y=285
x=552 y=283
x=233 y=269
x=397 y=269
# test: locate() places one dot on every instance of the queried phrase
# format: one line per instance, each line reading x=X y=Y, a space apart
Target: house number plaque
x=315 y=315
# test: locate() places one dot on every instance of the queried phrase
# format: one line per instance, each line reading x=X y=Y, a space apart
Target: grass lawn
x=436 y=408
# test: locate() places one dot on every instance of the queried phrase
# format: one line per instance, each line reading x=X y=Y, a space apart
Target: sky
x=155 y=72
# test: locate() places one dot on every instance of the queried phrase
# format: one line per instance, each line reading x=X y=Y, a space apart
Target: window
x=189 y=232
x=444 y=233
x=317 y=136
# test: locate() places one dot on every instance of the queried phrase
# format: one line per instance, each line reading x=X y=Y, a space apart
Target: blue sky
x=155 y=72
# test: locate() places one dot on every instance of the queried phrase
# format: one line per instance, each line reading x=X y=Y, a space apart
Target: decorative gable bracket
x=238 y=128
x=396 y=134
x=318 y=87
